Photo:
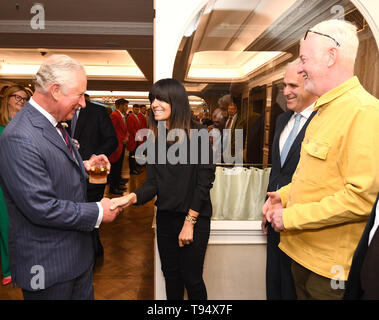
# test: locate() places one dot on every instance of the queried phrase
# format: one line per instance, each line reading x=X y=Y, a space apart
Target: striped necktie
x=66 y=136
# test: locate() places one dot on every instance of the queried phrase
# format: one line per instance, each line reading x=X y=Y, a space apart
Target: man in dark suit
x=363 y=281
x=93 y=129
x=290 y=126
x=44 y=182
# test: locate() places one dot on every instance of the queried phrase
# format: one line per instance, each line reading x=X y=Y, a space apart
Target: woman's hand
x=123 y=202
x=186 y=235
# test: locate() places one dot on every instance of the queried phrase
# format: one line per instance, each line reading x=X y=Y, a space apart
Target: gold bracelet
x=190 y=219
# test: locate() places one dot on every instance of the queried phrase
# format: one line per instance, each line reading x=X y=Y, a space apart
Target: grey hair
x=58 y=68
x=293 y=63
x=225 y=101
x=346 y=35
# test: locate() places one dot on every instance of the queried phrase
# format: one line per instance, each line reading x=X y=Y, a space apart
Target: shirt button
x=315 y=149
x=307 y=141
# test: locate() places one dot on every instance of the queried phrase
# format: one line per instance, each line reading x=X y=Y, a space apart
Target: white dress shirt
x=54 y=122
x=306 y=113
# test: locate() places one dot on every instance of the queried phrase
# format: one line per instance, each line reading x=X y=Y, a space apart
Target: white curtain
x=239 y=193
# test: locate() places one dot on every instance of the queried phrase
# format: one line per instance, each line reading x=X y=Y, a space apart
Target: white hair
x=58 y=68
x=345 y=33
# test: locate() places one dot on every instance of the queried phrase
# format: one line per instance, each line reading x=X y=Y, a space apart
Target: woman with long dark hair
x=182 y=188
x=11 y=102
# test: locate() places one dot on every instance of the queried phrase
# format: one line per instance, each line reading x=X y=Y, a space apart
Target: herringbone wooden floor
x=127 y=270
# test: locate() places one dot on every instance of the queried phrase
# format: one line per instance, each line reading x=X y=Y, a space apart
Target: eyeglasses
x=19 y=98
x=322 y=34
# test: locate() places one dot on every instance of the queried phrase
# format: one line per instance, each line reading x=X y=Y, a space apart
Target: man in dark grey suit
x=289 y=133
x=94 y=131
x=44 y=182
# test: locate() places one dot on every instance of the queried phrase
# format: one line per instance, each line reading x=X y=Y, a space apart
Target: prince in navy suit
x=44 y=182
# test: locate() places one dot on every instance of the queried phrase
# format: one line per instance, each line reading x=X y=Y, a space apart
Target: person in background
x=117 y=157
x=289 y=133
x=13 y=99
x=321 y=214
x=234 y=122
x=363 y=281
x=184 y=206
x=142 y=115
x=44 y=182
x=133 y=124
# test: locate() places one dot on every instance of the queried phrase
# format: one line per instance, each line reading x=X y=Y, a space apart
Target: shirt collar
x=306 y=113
x=49 y=117
x=337 y=92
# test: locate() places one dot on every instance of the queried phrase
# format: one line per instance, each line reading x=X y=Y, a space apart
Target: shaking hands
x=123 y=202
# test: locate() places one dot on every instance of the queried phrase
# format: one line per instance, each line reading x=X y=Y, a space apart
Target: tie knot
x=298 y=117
x=61 y=125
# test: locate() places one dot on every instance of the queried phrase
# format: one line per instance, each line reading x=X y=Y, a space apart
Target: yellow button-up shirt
x=336 y=182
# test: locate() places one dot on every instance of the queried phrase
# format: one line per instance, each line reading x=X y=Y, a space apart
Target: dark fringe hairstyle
x=172 y=92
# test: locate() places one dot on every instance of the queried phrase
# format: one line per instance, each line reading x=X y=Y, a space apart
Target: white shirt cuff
x=100 y=218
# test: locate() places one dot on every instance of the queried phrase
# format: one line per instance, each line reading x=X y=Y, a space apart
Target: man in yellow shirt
x=322 y=213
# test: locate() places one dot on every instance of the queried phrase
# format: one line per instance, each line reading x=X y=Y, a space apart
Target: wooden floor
x=127 y=270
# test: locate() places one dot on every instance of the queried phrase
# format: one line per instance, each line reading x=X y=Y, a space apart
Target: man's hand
x=100 y=159
x=272 y=212
x=108 y=214
x=272 y=203
x=123 y=202
x=277 y=220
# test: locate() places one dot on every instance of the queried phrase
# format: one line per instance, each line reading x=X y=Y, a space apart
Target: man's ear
x=332 y=57
x=55 y=91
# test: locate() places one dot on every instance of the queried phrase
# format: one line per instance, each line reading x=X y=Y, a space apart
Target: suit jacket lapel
x=82 y=119
x=49 y=132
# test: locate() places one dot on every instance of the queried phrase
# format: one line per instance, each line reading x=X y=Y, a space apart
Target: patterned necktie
x=66 y=136
x=290 y=139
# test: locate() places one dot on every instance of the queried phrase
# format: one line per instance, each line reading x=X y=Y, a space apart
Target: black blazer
x=281 y=176
x=95 y=132
x=353 y=289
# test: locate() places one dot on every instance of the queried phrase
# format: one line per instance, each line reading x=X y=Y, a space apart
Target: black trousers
x=116 y=169
x=80 y=288
x=132 y=161
x=182 y=266
x=279 y=280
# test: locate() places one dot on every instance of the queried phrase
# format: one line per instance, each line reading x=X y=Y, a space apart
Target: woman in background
x=183 y=201
x=11 y=102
